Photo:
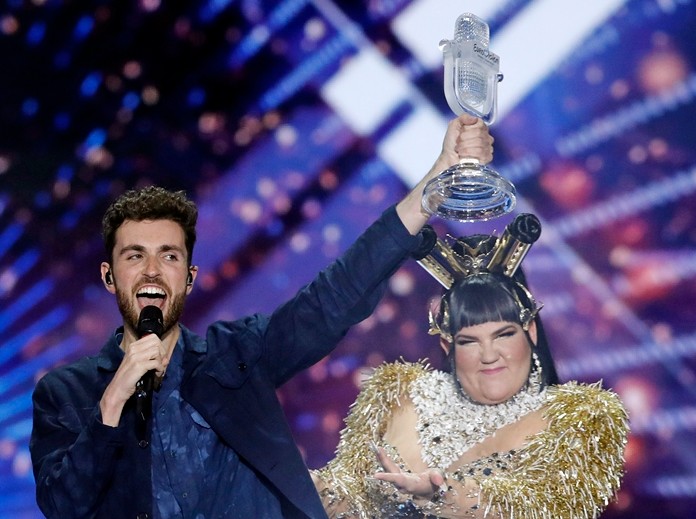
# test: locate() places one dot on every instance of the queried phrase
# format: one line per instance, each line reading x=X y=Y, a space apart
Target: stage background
x=293 y=124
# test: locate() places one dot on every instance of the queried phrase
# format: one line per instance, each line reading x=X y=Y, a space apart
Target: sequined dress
x=571 y=469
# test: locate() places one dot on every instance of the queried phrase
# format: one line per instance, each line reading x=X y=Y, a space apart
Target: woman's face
x=492 y=360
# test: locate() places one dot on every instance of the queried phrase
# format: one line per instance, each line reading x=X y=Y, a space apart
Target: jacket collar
x=111 y=354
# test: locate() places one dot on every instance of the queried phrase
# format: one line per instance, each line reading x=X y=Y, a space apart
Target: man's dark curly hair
x=150 y=203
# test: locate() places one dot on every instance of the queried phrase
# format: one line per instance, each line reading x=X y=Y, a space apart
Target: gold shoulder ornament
x=574 y=467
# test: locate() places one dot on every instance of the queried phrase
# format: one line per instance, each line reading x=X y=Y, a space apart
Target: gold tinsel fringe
x=365 y=424
x=571 y=470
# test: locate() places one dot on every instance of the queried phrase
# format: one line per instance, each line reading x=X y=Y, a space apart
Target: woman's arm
x=345 y=484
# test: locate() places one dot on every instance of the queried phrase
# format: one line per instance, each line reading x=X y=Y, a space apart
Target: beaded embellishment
x=449 y=424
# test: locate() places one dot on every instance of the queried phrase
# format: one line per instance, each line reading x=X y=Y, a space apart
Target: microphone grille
x=470 y=27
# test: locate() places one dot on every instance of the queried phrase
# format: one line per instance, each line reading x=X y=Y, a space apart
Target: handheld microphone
x=150 y=321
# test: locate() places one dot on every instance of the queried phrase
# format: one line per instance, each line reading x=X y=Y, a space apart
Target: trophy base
x=469 y=192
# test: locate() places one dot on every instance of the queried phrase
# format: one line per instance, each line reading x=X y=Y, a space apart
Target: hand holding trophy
x=470 y=191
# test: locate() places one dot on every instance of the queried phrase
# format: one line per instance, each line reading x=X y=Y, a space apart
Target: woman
x=497 y=436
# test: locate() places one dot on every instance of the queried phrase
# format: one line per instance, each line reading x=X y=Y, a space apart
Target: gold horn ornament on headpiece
x=449 y=262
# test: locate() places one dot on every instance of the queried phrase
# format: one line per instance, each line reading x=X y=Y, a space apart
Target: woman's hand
x=422 y=485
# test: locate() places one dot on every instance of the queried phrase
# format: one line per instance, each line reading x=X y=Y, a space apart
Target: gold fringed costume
x=570 y=469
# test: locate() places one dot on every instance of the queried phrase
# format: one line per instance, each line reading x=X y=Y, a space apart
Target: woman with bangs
x=496 y=435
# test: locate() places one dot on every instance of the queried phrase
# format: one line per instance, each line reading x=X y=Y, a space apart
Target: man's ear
x=190 y=278
x=107 y=277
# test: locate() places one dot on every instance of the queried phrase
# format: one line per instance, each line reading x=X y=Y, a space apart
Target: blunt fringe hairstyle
x=482 y=298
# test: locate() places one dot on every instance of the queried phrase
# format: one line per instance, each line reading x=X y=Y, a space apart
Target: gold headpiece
x=484 y=254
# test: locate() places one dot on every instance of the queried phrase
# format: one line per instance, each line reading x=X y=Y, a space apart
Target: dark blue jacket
x=84 y=469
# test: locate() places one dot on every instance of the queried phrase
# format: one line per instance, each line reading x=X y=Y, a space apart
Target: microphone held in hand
x=150 y=321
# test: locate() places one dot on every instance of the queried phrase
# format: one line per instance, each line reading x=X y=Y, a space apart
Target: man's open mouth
x=150 y=295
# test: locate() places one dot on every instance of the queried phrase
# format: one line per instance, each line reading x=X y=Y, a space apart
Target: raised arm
x=306 y=328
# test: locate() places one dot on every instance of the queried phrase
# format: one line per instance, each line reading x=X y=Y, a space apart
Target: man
x=214 y=442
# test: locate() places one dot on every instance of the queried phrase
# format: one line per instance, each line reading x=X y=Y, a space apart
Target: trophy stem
x=469 y=192
x=469 y=161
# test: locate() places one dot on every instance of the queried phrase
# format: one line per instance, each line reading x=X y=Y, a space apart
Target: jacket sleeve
x=308 y=327
x=73 y=453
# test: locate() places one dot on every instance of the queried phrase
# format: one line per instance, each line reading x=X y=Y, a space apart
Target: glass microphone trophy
x=470 y=191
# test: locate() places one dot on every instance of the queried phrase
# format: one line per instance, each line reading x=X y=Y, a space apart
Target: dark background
x=293 y=124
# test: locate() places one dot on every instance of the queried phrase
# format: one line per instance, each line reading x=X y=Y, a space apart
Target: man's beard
x=131 y=313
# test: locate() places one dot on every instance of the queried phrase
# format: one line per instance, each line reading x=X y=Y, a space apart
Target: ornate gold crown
x=449 y=262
